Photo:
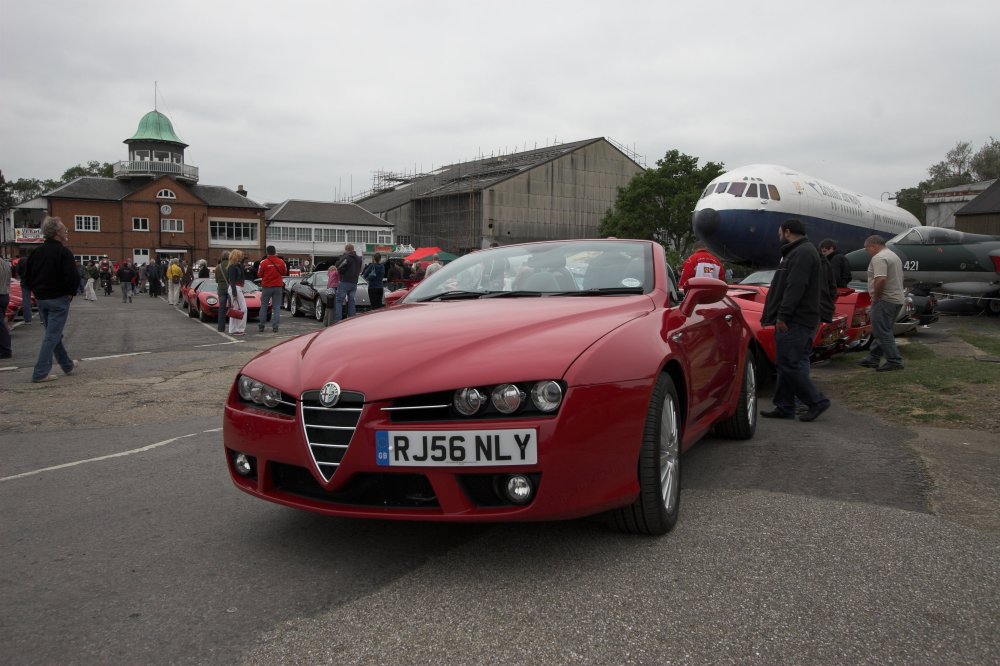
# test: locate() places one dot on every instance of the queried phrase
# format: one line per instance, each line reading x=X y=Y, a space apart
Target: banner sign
x=28 y=235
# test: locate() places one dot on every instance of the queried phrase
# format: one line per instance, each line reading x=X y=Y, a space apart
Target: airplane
x=739 y=213
x=955 y=262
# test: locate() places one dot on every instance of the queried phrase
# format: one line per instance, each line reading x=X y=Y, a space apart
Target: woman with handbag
x=332 y=282
x=237 y=305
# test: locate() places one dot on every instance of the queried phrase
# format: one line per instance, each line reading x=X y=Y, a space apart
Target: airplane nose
x=705 y=222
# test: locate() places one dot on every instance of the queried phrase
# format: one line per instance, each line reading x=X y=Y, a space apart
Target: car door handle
x=676 y=337
x=729 y=319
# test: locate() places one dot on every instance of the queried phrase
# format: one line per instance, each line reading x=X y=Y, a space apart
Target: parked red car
x=14 y=304
x=524 y=391
x=202 y=300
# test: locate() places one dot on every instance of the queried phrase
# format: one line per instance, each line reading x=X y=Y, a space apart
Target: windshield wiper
x=507 y=294
x=452 y=295
x=603 y=291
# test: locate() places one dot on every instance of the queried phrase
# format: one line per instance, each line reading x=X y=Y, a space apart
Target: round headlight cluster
x=259 y=392
x=546 y=396
x=211 y=300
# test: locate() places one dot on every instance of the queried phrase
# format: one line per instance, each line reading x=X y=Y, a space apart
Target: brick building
x=153 y=208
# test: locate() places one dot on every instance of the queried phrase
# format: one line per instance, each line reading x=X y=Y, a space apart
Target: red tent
x=422 y=253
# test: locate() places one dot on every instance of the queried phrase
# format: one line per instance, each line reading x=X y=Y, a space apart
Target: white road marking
x=107 y=457
x=102 y=358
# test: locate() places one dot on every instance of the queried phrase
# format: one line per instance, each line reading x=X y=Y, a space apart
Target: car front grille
x=329 y=430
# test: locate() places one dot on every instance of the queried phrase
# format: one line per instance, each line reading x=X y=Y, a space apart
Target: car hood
x=427 y=347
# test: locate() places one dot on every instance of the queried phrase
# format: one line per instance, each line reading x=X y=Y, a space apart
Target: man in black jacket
x=51 y=275
x=838 y=262
x=793 y=307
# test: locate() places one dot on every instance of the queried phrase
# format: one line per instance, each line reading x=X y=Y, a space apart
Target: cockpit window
x=708 y=190
x=752 y=190
x=736 y=189
x=773 y=191
x=763 y=191
x=721 y=187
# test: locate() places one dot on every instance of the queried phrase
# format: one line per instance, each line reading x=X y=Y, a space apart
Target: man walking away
x=793 y=307
x=51 y=274
x=173 y=277
x=885 y=284
x=838 y=262
x=349 y=268
x=271 y=270
x=125 y=275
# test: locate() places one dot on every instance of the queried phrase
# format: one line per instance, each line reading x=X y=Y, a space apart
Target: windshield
x=558 y=267
x=212 y=285
x=759 y=277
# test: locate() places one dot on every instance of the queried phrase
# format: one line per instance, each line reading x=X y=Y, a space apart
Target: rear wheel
x=743 y=423
x=294 y=307
x=655 y=510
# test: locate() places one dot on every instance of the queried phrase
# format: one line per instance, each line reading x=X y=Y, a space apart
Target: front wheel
x=655 y=510
x=743 y=423
x=319 y=310
x=202 y=315
x=294 y=307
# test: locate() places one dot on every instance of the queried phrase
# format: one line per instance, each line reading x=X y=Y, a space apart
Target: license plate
x=472 y=448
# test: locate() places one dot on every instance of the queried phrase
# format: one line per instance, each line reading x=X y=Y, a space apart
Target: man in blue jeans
x=272 y=271
x=793 y=307
x=51 y=274
x=349 y=268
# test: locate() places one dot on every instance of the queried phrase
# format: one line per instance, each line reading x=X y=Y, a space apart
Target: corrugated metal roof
x=468 y=176
x=987 y=202
x=323 y=212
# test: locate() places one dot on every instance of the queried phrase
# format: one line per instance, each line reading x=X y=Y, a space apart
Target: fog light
x=243 y=464
x=518 y=489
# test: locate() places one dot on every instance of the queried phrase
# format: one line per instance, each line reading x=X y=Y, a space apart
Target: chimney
x=240 y=190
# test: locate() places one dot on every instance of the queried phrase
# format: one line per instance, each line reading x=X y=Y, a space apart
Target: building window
x=140 y=256
x=220 y=230
x=294 y=262
x=330 y=235
x=161 y=156
x=140 y=224
x=82 y=259
x=87 y=223
x=385 y=237
x=141 y=155
x=303 y=234
x=176 y=226
x=403 y=240
x=165 y=194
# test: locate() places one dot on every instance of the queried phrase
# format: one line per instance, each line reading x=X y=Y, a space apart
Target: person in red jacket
x=701 y=263
x=271 y=269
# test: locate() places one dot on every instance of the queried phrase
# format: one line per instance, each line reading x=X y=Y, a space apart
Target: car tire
x=656 y=508
x=318 y=310
x=743 y=423
x=864 y=342
x=203 y=316
x=293 y=305
x=284 y=302
x=191 y=311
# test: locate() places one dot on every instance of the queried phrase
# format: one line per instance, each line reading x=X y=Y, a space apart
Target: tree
x=657 y=203
x=954 y=169
x=985 y=164
x=93 y=168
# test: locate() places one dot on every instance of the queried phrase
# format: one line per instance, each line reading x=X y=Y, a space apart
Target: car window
x=546 y=268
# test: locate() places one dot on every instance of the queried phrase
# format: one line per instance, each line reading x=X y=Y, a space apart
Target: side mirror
x=700 y=291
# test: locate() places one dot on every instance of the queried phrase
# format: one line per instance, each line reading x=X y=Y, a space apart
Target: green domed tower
x=155 y=150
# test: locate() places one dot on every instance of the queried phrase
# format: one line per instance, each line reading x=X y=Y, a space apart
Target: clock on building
x=165 y=209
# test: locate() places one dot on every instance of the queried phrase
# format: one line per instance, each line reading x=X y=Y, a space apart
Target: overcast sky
x=308 y=99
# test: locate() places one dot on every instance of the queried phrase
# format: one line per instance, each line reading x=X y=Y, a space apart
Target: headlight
x=252 y=390
x=546 y=396
x=467 y=401
x=507 y=398
x=211 y=300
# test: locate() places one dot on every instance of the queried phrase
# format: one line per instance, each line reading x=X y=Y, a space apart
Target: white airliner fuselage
x=739 y=213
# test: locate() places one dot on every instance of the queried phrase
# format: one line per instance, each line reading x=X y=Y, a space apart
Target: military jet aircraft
x=958 y=263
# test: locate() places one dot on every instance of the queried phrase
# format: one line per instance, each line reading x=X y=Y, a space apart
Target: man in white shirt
x=885 y=285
